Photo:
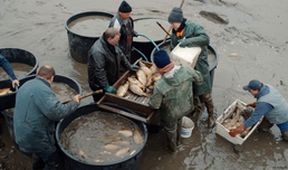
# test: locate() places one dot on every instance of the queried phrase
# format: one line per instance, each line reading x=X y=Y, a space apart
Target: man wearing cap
x=189 y=34
x=270 y=104
x=173 y=95
x=124 y=23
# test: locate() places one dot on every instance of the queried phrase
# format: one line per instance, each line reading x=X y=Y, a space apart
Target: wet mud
x=19 y=69
x=102 y=138
x=252 y=45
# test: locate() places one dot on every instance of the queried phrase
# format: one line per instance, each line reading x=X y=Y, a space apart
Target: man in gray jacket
x=104 y=62
x=36 y=112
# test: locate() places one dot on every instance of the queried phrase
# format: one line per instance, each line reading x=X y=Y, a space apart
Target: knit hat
x=254 y=85
x=125 y=7
x=161 y=58
x=176 y=15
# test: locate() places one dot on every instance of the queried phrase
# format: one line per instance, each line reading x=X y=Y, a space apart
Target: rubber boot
x=207 y=100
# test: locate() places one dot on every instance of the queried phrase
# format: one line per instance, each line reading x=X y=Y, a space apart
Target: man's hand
x=251 y=105
x=183 y=43
x=109 y=89
x=236 y=131
x=15 y=83
x=76 y=98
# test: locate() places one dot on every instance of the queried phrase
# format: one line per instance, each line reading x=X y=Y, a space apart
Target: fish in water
x=137 y=90
x=133 y=80
x=138 y=138
x=111 y=147
x=141 y=76
x=5 y=91
x=122 y=90
x=126 y=133
x=122 y=152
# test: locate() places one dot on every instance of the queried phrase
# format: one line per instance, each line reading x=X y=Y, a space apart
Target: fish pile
x=5 y=91
x=102 y=137
x=235 y=120
x=141 y=84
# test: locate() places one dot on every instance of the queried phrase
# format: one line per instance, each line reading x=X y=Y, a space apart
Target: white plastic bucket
x=186 y=127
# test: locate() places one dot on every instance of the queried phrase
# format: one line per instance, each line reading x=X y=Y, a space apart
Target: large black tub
x=9 y=103
x=83 y=30
x=23 y=62
x=73 y=163
x=149 y=28
x=212 y=57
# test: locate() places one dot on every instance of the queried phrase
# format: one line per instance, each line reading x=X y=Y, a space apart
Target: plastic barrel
x=79 y=45
x=72 y=163
x=8 y=101
x=212 y=57
x=8 y=113
x=16 y=55
x=144 y=45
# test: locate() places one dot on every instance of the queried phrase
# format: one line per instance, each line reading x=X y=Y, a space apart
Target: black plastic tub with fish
x=93 y=138
x=67 y=87
x=83 y=29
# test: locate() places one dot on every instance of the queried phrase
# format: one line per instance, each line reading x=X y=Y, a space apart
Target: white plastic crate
x=222 y=131
x=187 y=56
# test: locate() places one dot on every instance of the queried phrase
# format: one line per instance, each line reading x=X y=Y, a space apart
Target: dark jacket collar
x=263 y=91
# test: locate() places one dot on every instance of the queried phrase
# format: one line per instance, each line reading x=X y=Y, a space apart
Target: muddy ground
x=250 y=38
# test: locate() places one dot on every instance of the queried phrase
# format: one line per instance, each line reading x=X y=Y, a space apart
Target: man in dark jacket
x=37 y=110
x=104 y=62
x=189 y=34
x=124 y=23
x=270 y=104
x=4 y=63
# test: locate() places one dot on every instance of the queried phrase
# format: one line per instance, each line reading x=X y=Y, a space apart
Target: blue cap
x=253 y=85
x=161 y=58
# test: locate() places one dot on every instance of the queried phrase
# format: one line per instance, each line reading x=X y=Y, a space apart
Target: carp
x=122 y=90
x=137 y=90
x=133 y=80
x=138 y=138
x=111 y=147
x=122 y=152
x=126 y=133
x=153 y=69
x=156 y=76
x=141 y=76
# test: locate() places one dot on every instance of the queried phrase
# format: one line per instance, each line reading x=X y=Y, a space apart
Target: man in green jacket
x=173 y=95
x=189 y=34
x=37 y=110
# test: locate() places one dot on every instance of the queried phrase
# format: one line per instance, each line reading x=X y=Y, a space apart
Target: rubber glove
x=133 y=67
x=236 y=131
x=184 y=42
x=109 y=89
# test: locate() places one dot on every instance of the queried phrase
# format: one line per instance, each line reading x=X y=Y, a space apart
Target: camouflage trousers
x=172 y=132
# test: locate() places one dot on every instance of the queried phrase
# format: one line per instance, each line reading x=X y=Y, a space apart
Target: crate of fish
x=133 y=91
x=232 y=117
